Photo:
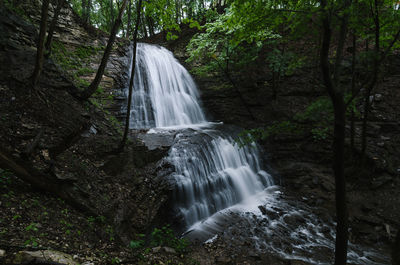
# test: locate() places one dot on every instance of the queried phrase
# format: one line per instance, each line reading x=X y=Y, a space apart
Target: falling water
x=165 y=93
x=215 y=179
x=212 y=172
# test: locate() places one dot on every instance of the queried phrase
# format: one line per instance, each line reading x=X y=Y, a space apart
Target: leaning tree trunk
x=128 y=111
x=100 y=71
x=40 y=46
x=52 y=27
x=40 y=180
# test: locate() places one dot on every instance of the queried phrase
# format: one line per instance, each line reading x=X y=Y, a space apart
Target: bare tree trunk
x=84 y=11
x=371 y=85
x=40 y=47
x=339 y=106
x=88 y=7
x=144 y=26
x=52 y=27
x=150 y=23
x=128 y=111
x=353 y=91
x=111 y=13
x=128 y=27
x=95 y=83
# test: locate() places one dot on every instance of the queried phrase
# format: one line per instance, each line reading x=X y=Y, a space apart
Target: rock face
x=73 y=142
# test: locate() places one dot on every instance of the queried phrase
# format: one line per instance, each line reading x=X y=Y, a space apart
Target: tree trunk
x=40 y=47
x=84 y=11
x=150 y=23
x=128 y=111
x=24 y=171
x=52 y=27
x=353 y=91
x=89 y=4
x=336 y=96
x=111 y=14
x=371 y=85
x=340 y=182
x=144 y=26
x=95 y=83
x=128 y=26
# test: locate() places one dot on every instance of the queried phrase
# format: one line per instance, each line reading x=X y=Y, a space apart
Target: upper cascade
x=164 y=92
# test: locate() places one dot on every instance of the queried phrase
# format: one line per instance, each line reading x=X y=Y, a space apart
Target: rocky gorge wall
x=73 y=141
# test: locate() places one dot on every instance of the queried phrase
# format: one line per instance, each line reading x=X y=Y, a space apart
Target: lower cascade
x=219 y=185
x=213 y=174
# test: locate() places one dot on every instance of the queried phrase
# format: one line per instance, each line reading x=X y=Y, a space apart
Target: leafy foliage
x=163 y=236
x=226 y=42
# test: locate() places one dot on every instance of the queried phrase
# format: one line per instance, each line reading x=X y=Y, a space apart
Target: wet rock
x=2 y=253
x=263 y=210
x=298 y=262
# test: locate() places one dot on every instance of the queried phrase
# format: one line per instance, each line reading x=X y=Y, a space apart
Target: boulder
x=27 y=257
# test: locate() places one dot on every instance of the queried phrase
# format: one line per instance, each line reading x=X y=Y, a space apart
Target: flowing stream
x=220 y=186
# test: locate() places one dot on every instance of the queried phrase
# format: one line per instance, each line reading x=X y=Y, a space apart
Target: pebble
x=2 y=252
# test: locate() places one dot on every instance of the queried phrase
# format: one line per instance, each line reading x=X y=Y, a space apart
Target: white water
x=164 y=92
x=212 y=173
x=219 y=185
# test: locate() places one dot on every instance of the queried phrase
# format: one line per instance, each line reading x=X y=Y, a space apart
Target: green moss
x=75 y=61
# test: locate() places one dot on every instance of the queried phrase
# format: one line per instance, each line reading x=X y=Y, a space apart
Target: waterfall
x=220 y=186
x=211 y=171
x=164 y=92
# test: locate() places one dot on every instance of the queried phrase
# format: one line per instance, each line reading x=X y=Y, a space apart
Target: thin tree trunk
x=40 y=47
x=144 y=26
x=89 y=4
x=128 y=27
x=52 y=27
x=371 y=85
x=150 y=22
x=111 y=13
x=128 y=111
x=336 y=96
x=95 y=83
x=84 y=11
x=353 y=91
x=340 y=182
